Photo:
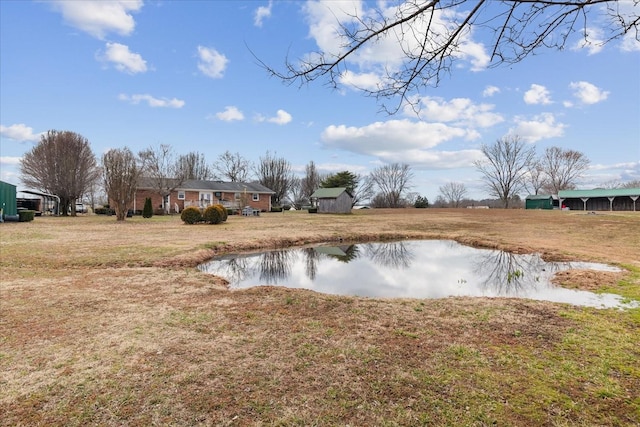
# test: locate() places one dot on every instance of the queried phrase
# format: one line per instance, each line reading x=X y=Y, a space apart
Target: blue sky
x=138 y=74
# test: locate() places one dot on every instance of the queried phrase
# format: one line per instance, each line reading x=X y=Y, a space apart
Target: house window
x=181 y=195
x=237 y=196
x=255 y=197
x=218 y=194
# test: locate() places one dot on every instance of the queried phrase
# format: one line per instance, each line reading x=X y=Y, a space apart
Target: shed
x=333 y=200
x=600 y=199
x=8 y=202
x=539 y=201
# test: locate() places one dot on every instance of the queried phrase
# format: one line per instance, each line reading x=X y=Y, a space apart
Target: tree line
x=63 y=164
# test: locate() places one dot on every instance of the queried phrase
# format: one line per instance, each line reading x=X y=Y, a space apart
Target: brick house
x=232 y=195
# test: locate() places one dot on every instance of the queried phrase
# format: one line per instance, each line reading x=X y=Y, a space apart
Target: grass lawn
x=107 y=323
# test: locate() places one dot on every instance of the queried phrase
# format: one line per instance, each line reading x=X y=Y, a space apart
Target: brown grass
x=110 y=323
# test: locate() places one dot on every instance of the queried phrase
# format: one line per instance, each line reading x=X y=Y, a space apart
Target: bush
x=223 y=212
x=191 y=215
x=212 y=215
x=147 y=211
x=313 y=210
x=276 y=209
x=286 y=207
x=26 y=215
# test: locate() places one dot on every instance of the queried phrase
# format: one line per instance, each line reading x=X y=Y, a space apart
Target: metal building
x=615 y=199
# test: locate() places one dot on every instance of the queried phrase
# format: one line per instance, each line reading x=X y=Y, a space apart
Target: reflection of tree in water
x=392 y=255
x=311 y=257
x=275 y=266
x=509 y=274
x=234 y=270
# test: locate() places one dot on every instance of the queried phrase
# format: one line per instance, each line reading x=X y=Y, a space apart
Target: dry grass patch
x=110 y=324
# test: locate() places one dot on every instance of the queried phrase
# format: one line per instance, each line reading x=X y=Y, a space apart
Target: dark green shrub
x=223 y=212
x=191 y=215
x=276 y=209
x=286 y=207
x=313 y=210
x=212 y=215
x=147 y=211
x=26 y=215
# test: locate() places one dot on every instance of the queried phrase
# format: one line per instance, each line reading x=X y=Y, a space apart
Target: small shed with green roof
x=539 y=201
x=333 y=200
x=599 y=199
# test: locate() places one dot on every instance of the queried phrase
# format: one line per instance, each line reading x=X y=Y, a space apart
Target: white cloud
x=98 y=17
x=541 y=127
x=12 y=161
x=402 y=141
x=588 y=93
x=382 y=138
x=490 y=91
x=152 y=101
x=630 y=43
x=537 y=94
x=124 y=60
x=281 y=118
x=20 y=132
x=592 y=41
x=366 y=81
x=230 y=114
x=212 y=63
x=261 y=13
x=460 y=111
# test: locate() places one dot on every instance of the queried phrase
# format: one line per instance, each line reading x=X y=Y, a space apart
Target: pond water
x=408 y=269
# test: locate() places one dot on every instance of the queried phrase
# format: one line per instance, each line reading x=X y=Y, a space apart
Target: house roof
x=329 y=193
x=201 y=185
x=599 y=192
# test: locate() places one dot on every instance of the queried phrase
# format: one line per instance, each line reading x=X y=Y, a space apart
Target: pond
x=409 y=269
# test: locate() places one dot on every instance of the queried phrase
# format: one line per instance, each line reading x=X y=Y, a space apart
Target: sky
x=186 y=73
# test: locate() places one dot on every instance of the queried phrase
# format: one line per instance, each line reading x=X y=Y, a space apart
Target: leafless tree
x=311 y=181
x=505 y=166
x=122 y=171
x=631 y=184
x=276 y=174
x=392 y=181
x=563 y=168
x=63 y=164
x=535 y=179
x=194 y=166
x=425 y=38
x=163 y=170
x=233 y=167
x=453 y=193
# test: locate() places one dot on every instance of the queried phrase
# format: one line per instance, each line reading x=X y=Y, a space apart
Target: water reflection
x=413 y=269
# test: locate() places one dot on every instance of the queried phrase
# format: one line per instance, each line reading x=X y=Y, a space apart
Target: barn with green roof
x=599 y=199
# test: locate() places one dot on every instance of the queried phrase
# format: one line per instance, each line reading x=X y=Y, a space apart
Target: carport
x=615 y=199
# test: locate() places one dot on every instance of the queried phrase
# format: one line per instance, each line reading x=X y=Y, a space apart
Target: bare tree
x=536 y=179
x=453 y=193
x=121 y=173
x=391 y=181
x=194 y=166
x=311 y=181
x=505 y=167
x=296 y=193
x=631 y=184
x=163 y=170
x=233 y=167
x=276 y=174
x=563 y=168
x=424 y=38
x=63 y=164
